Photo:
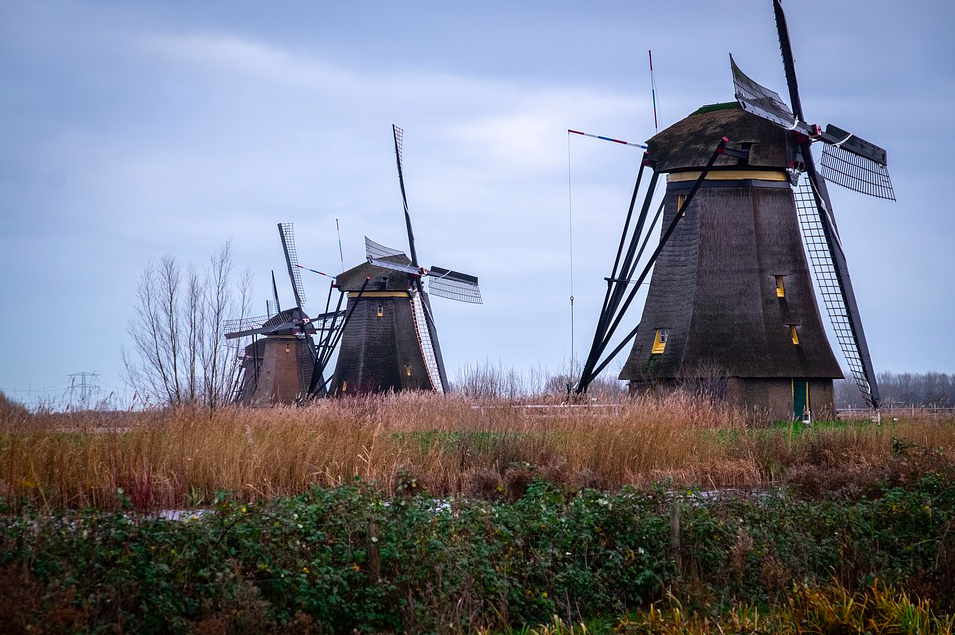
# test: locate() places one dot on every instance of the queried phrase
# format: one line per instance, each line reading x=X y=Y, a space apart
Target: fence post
x=374 y=553
x=675 y=537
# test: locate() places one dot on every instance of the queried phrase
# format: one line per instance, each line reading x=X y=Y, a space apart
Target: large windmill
x=389 y=340
x=731 y=293
x=278 y=364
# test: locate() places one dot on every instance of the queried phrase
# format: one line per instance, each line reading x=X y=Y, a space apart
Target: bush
x=350 y=559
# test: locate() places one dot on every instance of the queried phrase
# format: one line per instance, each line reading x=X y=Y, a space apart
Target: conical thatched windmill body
x=389 y=340
x=731 y=299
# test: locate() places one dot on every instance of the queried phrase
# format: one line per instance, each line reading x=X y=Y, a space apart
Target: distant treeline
x=916 y=389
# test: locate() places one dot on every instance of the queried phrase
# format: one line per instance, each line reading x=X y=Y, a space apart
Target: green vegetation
x=874 y=610
x=413 y=513
x=355 y=558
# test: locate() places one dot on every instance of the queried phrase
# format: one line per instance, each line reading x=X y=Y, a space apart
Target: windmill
x=278 y=365
x=389 y=340
x=731 y=294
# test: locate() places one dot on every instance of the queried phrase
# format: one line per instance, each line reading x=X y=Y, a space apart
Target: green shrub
x=350 y=559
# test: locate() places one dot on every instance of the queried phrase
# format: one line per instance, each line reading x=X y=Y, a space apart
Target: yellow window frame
x=794 y=334
x=780 y=289
x=660 y=340
x=679 y=203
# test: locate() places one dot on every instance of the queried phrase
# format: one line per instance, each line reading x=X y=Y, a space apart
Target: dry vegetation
x=411 y=442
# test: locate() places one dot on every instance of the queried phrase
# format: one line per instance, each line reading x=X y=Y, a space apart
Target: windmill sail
x=423 y=328
x=396 y=266
x=275 y=295
x=836 y=290
x=377 y=250
x=234 y=326
x=454 y=285
x=760 y=101
x=399 y=135
x=847 y=160
x=855 y=164
x=264 y=325
x=822 y=243
x=325 y=321
x=291 y=259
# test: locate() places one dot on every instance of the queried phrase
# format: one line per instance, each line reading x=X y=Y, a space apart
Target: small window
x=381 y=310
x=747 y=148
x=794 y=334
x=408 y=370
x=679 y=203
x=780 y=289
x=287 y=349
x=660 y=341
x=345 y=385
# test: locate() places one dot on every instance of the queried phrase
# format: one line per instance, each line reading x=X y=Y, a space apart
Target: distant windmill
x=389 y=340
x=731 y=288
x=278 y=366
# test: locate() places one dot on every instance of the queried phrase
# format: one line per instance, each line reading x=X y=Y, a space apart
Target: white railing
x=899 y=409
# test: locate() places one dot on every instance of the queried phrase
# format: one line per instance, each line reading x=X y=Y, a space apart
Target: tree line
x=908 y=389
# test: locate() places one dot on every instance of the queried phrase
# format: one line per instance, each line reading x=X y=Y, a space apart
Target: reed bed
x=182 y=457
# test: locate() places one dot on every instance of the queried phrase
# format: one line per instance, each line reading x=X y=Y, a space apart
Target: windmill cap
x=689 y=143
x=379 y=278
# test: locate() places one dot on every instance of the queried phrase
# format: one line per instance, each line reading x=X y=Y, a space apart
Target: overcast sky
x=134 y=130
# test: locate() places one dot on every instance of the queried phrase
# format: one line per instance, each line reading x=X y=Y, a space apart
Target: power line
x=58 y=386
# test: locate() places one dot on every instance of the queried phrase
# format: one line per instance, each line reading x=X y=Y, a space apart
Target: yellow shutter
x=780 y=290
x=794 y=334
x=679 y=203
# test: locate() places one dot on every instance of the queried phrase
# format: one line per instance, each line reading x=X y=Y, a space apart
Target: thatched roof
x=689 y=143
x=381 y=278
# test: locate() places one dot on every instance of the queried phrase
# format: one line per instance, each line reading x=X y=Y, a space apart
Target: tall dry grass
x=442 y=444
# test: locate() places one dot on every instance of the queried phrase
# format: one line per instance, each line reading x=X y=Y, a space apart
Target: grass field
x=437 y=444
x=422 y=513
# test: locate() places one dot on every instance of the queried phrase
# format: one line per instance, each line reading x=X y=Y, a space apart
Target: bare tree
x=223 y=299
x=179 y=354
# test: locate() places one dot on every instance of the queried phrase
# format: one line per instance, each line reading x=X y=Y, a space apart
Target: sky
x=135 y=130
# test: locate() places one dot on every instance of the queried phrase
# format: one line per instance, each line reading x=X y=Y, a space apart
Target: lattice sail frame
x=288 y=241
x=399 y=143
x=236 y=325
x=827 y=282
x=424 y=341
x=454 y=285
x=323 y=322
x=854 y=172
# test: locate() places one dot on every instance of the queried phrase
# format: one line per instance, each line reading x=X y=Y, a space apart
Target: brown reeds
x=412 y=442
